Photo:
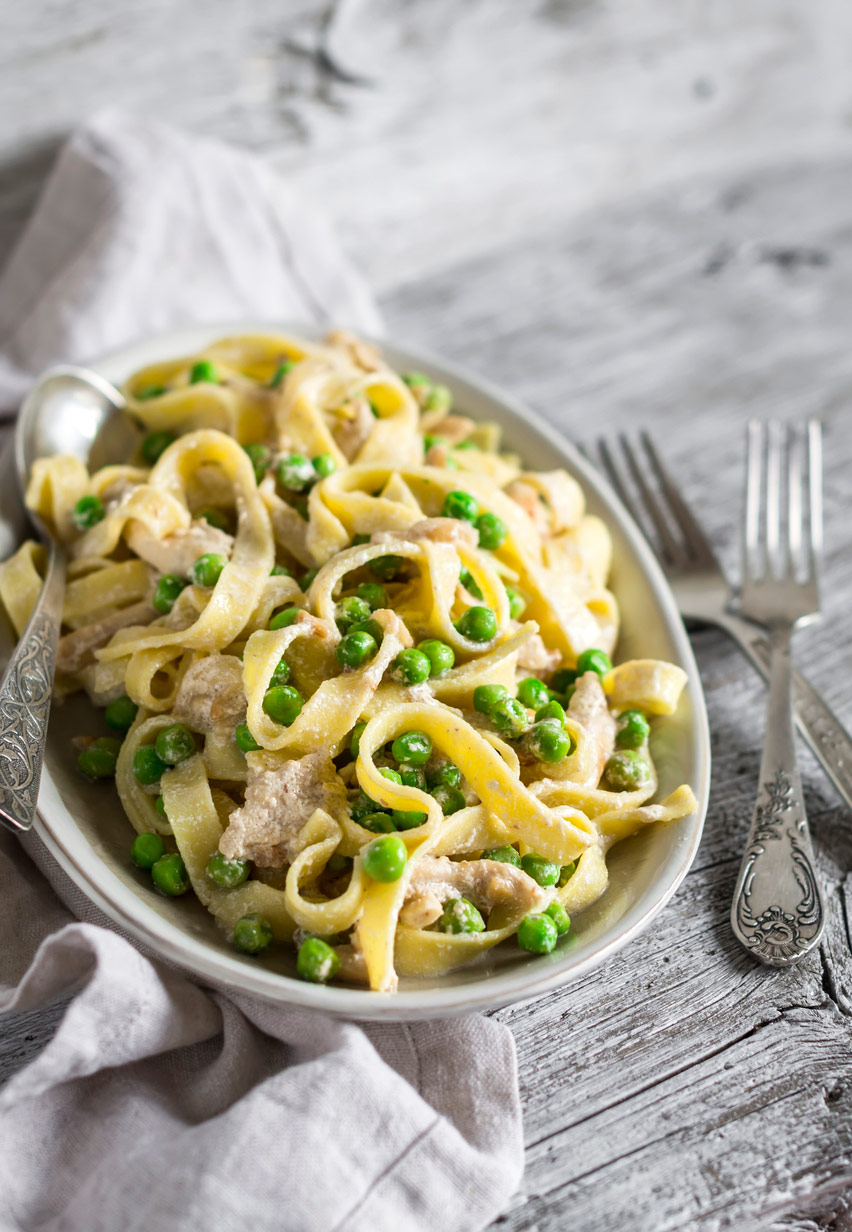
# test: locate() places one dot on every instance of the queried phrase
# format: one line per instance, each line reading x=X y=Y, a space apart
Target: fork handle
x=829 y=740
x=25 y=694
x=778 y=912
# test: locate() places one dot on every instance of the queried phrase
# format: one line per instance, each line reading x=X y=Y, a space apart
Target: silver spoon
x=70 y=411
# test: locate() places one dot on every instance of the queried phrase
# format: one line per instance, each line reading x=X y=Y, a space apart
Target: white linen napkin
x=158 y=1103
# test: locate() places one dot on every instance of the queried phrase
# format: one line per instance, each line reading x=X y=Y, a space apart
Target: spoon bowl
x=70 y=411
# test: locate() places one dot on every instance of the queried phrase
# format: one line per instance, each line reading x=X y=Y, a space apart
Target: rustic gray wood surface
x=629 y=215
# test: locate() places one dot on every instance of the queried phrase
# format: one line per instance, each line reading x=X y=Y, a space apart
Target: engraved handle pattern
x=777 y=911
x=25 y=695
x=827 y=737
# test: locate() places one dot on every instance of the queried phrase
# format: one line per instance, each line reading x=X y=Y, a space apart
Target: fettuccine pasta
x=354 y=659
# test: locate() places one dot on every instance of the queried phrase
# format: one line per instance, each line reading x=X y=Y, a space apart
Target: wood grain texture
x=628 y=215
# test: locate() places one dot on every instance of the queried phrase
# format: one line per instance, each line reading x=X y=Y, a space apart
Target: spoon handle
x=25 y=694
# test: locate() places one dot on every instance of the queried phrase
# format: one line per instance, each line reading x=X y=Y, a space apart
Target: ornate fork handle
x=826 y=735
x=777 y=911
x=25 y=694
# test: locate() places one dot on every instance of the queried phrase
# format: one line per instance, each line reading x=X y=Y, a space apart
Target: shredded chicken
x=525 y=495
x=453 y=428
x=211 y=693
x=437 y=456
x=351 y=433
x=278 y=803
x=76 y=650
x=487 y=883
x=363 y=354
x=589 y=708
x=439 y=530
x=421 y=910
x=178 y=552
x=535 y=657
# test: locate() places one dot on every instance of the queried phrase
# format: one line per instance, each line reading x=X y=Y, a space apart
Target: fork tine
x=795 y=480
x=775 y=448
x=674 y=550
x=752 y=564
x=814 y=470
x=682 y=514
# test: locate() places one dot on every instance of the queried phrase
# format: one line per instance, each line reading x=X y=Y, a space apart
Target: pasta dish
x=353 y=660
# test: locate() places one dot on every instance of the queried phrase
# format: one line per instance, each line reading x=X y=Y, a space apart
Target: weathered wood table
x=629 y=215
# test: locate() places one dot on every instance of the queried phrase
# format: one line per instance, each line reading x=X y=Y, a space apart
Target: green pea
x=281 y=674
x=286 y=617
x=170 y=876
x=413 y=379
x=355 y=649
x=88 y=511
x=429 y=441
x=504 y=855
x=244 y=739
x=492 y=531
x=412 y=747
x=626 y=770
x=371 y=627
x=317 y=961
x=361 y=806
x=280 y=571
x=207 y=569
x=486 y=696
x=594 y=661
x=460 y=505
x=227 y=873
x=253 y=933
x=549 y=741
x=552 y=711
x=373 y=594
x=352 y=610
x=439 y=398
x=478 y=624
x=98 y=760
x=295 y=473
x=148 y=765
x=562 y=679
x=448 y=774
x=560 y=917
x=120 y=714
x=566 y=872
x=533 y=692
x=385 y=858
x=543 y=871
x=440 y=655
x=509 y=717
x=213 y=517
x=308 y=578
x=466 y=579
x=460 y=916
x=411 y=667
x=407 y=820
x=324 y=465
x=378 y=822
x=155 y=445
x=449 y=798
x=150 y=391
x=260 y=457
x=387 y=567
x=633 y=730
x=174 y=744
x=359 y=540
x=338 y=863
x=355 y=741
x=203 y=372
x=413 y=776
x=160 y=806
x=168 y=587
x=392 y=776
x=450 y=464
x=147 y=849
x=280 y=373
x=517 y=603
x=538 y=934
x=283 y=704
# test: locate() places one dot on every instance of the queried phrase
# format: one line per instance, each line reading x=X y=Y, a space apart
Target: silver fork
x=777 y=911
x=703 y=593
